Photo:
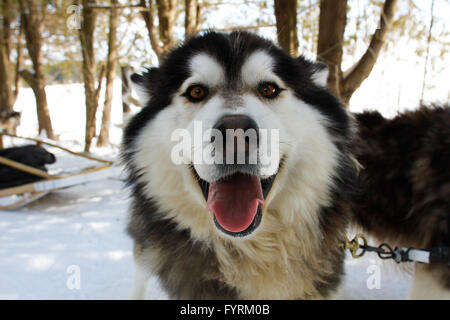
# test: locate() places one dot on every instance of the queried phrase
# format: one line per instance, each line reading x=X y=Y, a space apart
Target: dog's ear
x=16 y=114
x=143 y=84
x=318 y=71
x=320 y=74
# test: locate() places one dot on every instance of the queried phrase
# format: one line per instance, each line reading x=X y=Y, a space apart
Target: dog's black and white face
x=9 y=121
x=233 y=127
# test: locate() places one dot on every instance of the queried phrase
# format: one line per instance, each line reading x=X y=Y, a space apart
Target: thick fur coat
x=405 y=194
x=294 y=253
x=31 y=155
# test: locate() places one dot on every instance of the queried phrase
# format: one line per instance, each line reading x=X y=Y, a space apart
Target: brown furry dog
x=406 y=186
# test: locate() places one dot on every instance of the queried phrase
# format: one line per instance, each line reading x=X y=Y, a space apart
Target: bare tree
x=9 y=80
x=332 y=23
x=6 y=94
x=192 y=17
x=425 y=67
x=32 y=14
x=86 y=34
x=126 y=90
x=103 y=138
x=286 y=19
x=161 y=36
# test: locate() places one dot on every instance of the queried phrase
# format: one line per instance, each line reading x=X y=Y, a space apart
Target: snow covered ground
x=72 y=243
x=84 y=226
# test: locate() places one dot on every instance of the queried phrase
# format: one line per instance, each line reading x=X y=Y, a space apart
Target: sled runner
x=22 y=195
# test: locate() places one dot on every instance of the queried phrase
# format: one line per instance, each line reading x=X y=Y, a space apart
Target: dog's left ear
x=318 y=71
x=143 y=84
x=320 y=74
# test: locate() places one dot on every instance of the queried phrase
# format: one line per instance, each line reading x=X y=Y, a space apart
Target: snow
x=72 y=244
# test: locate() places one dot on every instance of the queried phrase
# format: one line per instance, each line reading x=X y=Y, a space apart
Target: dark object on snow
x=31 y=155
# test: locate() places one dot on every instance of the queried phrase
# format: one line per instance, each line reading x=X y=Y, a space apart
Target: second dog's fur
x=405 y=197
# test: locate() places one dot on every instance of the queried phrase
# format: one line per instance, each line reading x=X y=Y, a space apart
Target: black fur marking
x=231 y=51
x=152 y=230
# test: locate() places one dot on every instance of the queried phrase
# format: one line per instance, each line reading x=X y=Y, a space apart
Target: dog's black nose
x=234 y=122
x=239 y=136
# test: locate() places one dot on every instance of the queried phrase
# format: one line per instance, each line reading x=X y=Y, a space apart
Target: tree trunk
x=192 y=17
x=126 y=90
x=161 y=39
x=86 y=34
x=32 y=19
x=332 y=20
x=166 y=18
x=7 y=97
x=103 y=138
x=8 y=16
x=286 y=20
x=332 y=23
x=18 y=63
x=6 y=94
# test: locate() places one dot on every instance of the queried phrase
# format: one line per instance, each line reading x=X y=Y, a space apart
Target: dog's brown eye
x=268 y=90
x=196 y=93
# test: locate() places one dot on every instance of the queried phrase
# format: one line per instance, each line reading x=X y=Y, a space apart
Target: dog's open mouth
x=236 y=201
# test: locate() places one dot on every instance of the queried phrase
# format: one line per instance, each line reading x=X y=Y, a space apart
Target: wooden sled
x=30 y=192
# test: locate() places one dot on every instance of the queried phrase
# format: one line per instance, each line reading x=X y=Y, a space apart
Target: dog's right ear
x=318 y=71
x=143 y=84
x=320 y=74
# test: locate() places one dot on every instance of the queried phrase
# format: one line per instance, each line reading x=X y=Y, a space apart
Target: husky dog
x=406 y=187
x=9 y=121
x=30 y=155
x=239 y=230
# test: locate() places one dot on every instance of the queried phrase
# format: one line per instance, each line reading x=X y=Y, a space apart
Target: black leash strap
x=440 y=254
x=358 y=246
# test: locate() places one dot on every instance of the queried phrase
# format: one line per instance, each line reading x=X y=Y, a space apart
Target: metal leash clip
x=385 y=251
x=354 y=245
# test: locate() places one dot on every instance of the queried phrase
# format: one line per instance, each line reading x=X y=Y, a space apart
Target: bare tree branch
x=149 y=19
x=28 y=76
x=32 y=12
x=425 y=67
x=18 y=62
x=361 y=70
x=99 y=83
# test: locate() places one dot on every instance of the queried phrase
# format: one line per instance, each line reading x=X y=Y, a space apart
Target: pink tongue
x=235 y=201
